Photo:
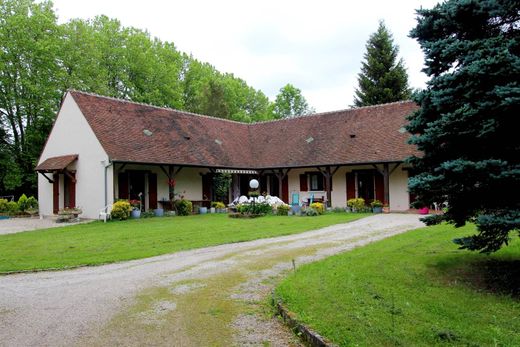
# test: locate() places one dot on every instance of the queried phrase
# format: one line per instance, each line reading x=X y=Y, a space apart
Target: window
x=316 y=181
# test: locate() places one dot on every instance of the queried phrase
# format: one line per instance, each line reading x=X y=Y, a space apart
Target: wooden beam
x=395 y=167
x=44 y=175
x=386 y=181
x=122 y=167
x=72 y=178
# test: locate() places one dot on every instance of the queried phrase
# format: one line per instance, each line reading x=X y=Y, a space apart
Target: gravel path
x=211 y=296
x=17 y=225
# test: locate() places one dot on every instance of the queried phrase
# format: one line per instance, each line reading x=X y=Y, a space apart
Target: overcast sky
x=317 y=46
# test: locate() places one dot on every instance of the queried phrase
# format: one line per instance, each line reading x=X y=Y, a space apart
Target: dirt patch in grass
x=494 y=276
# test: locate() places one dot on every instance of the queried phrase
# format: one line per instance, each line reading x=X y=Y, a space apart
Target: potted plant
x=377 y=206
x=424 y=210
x=136 y=208
x=220 y=207
x=386 y=208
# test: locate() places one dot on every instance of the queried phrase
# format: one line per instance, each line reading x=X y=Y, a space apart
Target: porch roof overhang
x=58 y=163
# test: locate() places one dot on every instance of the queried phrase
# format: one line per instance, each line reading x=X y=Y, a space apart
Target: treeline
x=40 y=59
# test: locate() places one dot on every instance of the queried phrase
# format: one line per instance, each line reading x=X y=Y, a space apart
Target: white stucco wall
x=399 y=197
x=72 y=134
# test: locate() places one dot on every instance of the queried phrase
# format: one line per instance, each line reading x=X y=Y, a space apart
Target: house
x=102 y=149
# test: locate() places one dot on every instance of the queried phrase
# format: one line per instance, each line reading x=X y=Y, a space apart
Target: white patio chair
x=105 y=213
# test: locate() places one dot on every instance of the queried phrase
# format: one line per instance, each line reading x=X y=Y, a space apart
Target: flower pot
x=203 y=210
x=424 y=210
x=377 y=209
x=136 y=213
x=386 y=209
x=159 y=212
x=212 y=210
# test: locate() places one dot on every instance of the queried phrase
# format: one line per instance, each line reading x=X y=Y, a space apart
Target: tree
x=467 y=124
x=290 y=102
x=382 y=79
x=30 y=76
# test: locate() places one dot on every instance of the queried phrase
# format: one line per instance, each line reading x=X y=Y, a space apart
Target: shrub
x=357 y=204
x=32 y=203
x=184 y=207
x=3 y=205
x=311 y=212
x=218 y=204
x=338 y=210
x=318 y=206
x=147 y=214
x=256 y=208
x=22 y=203
x=283 y=210
x=12 y=207
x=376 y=203
x=121 y=210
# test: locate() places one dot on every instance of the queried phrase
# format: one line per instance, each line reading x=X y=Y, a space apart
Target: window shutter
x=122 y=183
x=380 y=186
x=303 y=183
x=351 y=185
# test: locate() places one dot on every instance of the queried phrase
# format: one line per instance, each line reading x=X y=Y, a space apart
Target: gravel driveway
x=16 y=225
x=212 y=296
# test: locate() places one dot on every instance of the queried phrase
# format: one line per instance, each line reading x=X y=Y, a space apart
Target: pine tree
x=382 y=78
x=467 y=126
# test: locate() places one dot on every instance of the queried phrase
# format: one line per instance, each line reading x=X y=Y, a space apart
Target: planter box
x=203 y=210
x=136 y=214
x=159 y=212
x=212 y=210
x=377 y=209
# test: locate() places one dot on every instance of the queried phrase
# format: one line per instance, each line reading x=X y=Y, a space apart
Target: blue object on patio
x=311 y=198
x=4 y=217
x=295 y=199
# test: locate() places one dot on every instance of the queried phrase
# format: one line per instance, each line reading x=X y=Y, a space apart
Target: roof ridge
x=235 y=121
x=154 y=106
x=335 y=111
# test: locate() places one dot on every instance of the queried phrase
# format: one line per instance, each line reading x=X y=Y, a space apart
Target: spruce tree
x=382 y=79
x=467 y=125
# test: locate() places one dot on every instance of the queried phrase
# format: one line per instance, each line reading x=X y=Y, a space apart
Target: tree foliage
x=290 y=103
x=467 y=124
x=382 y=79
x=40 y=59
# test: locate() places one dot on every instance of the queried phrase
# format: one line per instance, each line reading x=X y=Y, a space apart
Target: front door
x=365 y=185
x=136 y=180
x=69 y=190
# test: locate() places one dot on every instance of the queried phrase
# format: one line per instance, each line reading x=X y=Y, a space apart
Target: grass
x=99 y=243
x=414 y=289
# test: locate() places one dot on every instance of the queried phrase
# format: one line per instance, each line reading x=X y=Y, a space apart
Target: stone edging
x=308 y=336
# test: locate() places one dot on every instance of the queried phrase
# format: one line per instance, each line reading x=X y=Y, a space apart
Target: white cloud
x=317 y=46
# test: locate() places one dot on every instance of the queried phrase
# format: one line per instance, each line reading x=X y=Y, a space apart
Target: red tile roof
x=57 y=163
x=134 y=132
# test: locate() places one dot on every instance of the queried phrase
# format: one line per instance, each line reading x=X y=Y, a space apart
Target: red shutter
x=123 y=185
x=380 y=186
x=55 y=193
x=72 y=190
x=152 y=191
x=285 y=190
x=303 y=183
x=351 y=185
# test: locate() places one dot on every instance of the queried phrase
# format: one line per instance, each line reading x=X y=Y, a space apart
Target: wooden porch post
x=281 y=174
x=386 y=184
x=327 y=173
x=170 y=174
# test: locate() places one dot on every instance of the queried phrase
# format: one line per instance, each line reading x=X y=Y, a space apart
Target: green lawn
x=414 y=289
x=98 y=243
